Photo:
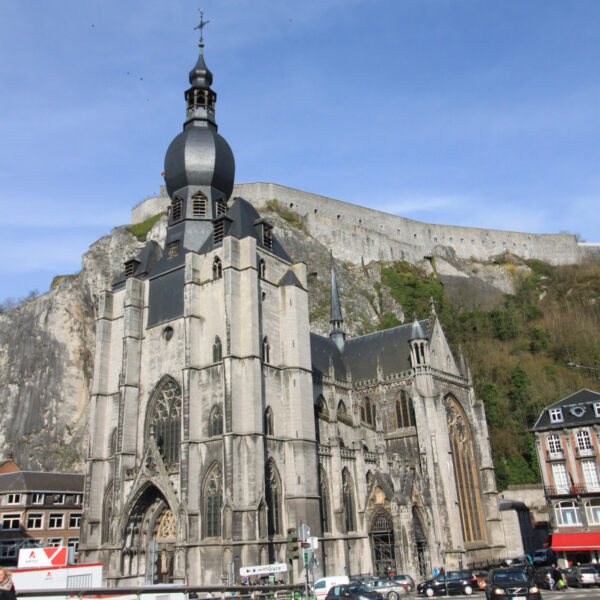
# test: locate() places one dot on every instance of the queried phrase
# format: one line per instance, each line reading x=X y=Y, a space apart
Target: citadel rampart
x=357 y=233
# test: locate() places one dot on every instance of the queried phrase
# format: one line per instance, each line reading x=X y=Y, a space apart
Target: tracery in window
x=217 y=268
x=165 y=419
x=324 y=501
x=217 y=350
x=213 y=502
x=268 y=421
x=404 y=410
x=266 y=351
x=199 y=205
x=273 y=497
x=216 y=421
x=348 y=501
x=465 y=471
x=368 y=412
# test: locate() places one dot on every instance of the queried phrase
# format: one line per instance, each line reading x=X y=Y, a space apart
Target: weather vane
x=201 y=26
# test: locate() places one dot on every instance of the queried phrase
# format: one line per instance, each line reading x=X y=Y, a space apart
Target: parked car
x=544 y=556
x=407 y=579
x=390 y=590
x=512 y=581
x=582 y=576
x=481 y=577
x=458 y=582
x=352 y=592
x=543 y=577
x=322 y=586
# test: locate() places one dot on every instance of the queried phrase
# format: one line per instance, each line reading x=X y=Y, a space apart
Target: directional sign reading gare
x=263 y=569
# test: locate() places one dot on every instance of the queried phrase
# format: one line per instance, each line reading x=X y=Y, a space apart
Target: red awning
x=576 y=541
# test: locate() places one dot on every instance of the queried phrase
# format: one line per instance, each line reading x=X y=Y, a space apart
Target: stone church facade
x=219 y=421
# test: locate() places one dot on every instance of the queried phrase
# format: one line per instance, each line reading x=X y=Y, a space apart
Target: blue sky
x=471 y=112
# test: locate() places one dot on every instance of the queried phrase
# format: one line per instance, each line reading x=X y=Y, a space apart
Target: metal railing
x=571 y=489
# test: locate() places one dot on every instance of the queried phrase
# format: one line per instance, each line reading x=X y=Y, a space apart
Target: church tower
x=202 y=434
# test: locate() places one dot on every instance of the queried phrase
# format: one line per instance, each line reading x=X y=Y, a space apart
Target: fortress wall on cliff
x=356 y=233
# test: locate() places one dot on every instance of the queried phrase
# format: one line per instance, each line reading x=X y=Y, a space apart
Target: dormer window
x=597 y=409
x=172 y=249
x=556 y=415
x=267 y=236
x=218 y=231
x=199 y=205
x=177 y=211
x=221 y=207
x=130 y=266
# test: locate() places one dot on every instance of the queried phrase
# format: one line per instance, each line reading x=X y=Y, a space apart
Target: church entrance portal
x=163 y=546
x=421 y=543
x=382 y=544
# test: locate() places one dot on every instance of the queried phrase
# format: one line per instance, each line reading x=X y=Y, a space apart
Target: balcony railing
x=572 y=489
x=585 y=452
x=559 y=454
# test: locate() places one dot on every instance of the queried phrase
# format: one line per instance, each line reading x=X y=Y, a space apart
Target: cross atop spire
x=201 y=27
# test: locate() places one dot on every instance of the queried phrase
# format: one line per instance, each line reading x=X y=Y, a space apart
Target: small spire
x=336 y=321
x=417 y=332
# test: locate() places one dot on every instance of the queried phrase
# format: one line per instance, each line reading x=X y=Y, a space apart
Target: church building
x=219 y=421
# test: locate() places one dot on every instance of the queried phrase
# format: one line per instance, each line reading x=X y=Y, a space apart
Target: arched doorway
x=381 y=534
x=150 y=537
x=421 y=543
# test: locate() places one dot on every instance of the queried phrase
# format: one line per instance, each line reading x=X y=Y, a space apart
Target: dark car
x=458 y=582
x=513 y=582
x=352 y=592
x=544 y=577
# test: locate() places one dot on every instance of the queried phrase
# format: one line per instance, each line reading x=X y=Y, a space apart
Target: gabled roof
x=577 y=409
x=290 y=279
x=38 y=481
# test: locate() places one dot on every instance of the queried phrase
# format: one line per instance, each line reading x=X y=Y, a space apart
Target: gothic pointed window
x=368 y=412
x=465 y=471
x=213 y=502
x=165 y=420
x=199 y=205
x=268 y=421
x=273 y=496
x=405 y=414
x=217 y=350
x=342 y=413
x=217 y=268
x=109 y=512
x=324 y=501
x=322 y=410
x=216 y=421
x=177 y=210
x=348 y=501
x=266 y=351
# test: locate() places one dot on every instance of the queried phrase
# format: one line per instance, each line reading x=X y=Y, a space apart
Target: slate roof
x=289 y=279
x=37 y=481
x=388 y=350
x=572 y=412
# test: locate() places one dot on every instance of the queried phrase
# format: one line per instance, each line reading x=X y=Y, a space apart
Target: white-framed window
x=11 y=521
x=556 y=415
x=567 y=513
x=561 y=478
x=73 y=542
x=59 y=498
x=35 y=521
x=56 y=521
x=597 y=409
x=37 y=498
x=13 y=499
x=589 y=469
x=9 y=548
x=55 y=542
x=584 y=443
x=77 y=499
x=592 y=512
x=554 y=446
x=75 y=521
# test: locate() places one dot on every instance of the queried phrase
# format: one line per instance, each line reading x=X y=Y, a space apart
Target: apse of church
x=219 y=421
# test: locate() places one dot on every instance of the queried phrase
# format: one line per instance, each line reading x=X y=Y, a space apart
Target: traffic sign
x=263 y=569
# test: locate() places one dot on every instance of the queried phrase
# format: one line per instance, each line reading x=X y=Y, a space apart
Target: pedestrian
x=7 y=587
x=556 y=576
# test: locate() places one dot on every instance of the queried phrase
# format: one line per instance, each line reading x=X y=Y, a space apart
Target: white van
x=322 y=586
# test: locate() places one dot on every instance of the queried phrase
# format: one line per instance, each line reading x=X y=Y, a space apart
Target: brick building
x=567 y=446
x=38 y=509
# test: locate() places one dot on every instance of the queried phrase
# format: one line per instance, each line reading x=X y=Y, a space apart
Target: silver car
x=390 y=590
